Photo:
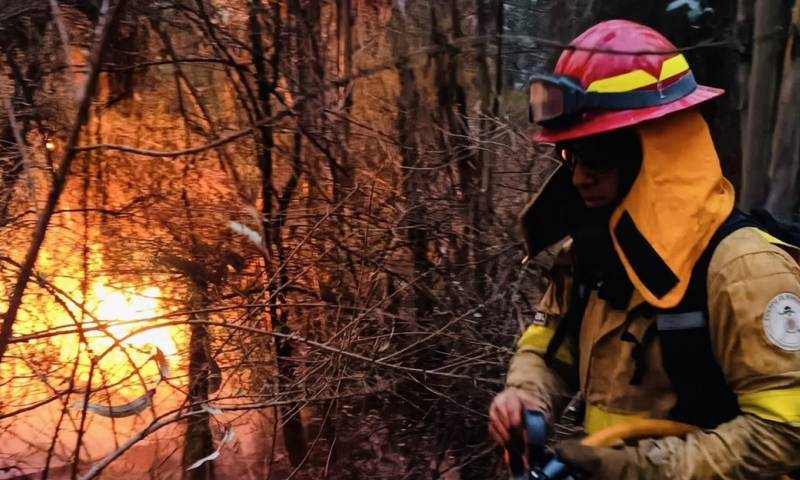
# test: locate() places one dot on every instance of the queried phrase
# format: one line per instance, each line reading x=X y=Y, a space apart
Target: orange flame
x=128 y=361
x=116 y=305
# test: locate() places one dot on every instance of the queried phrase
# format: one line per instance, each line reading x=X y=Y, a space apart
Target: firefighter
x=664 y=301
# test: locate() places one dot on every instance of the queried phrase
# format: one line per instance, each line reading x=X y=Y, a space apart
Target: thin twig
x=189 y=151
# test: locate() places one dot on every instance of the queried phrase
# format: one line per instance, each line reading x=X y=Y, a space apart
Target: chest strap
x=681 y=321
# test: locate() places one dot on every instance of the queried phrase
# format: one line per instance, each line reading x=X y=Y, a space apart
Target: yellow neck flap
x=675 y=205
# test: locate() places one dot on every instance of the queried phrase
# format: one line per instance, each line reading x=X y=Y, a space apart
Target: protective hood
x=676 y=203
x=666 y=220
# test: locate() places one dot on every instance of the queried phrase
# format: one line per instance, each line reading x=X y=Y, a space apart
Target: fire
x=117 y=306
x=120 y=313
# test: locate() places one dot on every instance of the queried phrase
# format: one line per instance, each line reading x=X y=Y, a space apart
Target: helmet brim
x=613 y=120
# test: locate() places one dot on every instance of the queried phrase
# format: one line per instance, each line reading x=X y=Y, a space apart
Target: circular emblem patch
x=782 y=322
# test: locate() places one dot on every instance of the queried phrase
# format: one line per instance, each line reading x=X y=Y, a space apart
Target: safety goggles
x=557 y=101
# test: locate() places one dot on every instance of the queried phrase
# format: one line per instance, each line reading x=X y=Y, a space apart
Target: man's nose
x=583 y=177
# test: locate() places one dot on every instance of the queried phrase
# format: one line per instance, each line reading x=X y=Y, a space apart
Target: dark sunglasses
x=597 y=161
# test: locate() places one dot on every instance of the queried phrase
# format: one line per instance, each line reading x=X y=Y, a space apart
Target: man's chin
x=596 y=202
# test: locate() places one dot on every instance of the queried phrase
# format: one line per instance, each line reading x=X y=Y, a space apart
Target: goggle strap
x=641 y=98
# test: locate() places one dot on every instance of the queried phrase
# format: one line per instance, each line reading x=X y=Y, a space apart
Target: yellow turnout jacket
x=753 y=283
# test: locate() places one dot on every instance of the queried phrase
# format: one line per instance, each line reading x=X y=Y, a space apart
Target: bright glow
x=50 y=145
x=122 y=311
x=116 y=306
x=117 y=348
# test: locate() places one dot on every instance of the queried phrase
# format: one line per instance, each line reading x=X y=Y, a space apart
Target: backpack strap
x=704 y=397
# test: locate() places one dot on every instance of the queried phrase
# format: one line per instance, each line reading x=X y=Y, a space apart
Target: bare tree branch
x=109 y=16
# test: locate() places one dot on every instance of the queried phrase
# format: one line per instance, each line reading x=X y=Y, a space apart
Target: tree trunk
x=408 y=106
x=293 y=434
x=783 y=169
x=481 y=203
x=769 y=42
x=345 y=51
x=199 y=441
x=499 y=6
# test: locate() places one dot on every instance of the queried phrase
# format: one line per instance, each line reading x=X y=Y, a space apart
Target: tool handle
x=535 y=428
x=535 y=431
x=555 y=470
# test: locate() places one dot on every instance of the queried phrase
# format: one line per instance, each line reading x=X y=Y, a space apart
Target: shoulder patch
x=782 y=322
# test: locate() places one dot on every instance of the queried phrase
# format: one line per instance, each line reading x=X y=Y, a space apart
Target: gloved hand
x=505 y=413
x=616 y=463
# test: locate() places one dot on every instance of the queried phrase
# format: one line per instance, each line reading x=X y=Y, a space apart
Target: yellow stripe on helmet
x=637 y=79
x=673 y=66
x=625 y=82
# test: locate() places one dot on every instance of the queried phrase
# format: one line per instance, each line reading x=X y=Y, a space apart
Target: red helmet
x=595 y=88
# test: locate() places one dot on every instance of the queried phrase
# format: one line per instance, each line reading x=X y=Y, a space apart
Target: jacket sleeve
x=754 y=309
x=528 y=370
x=747 y=447
x=529 y=373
